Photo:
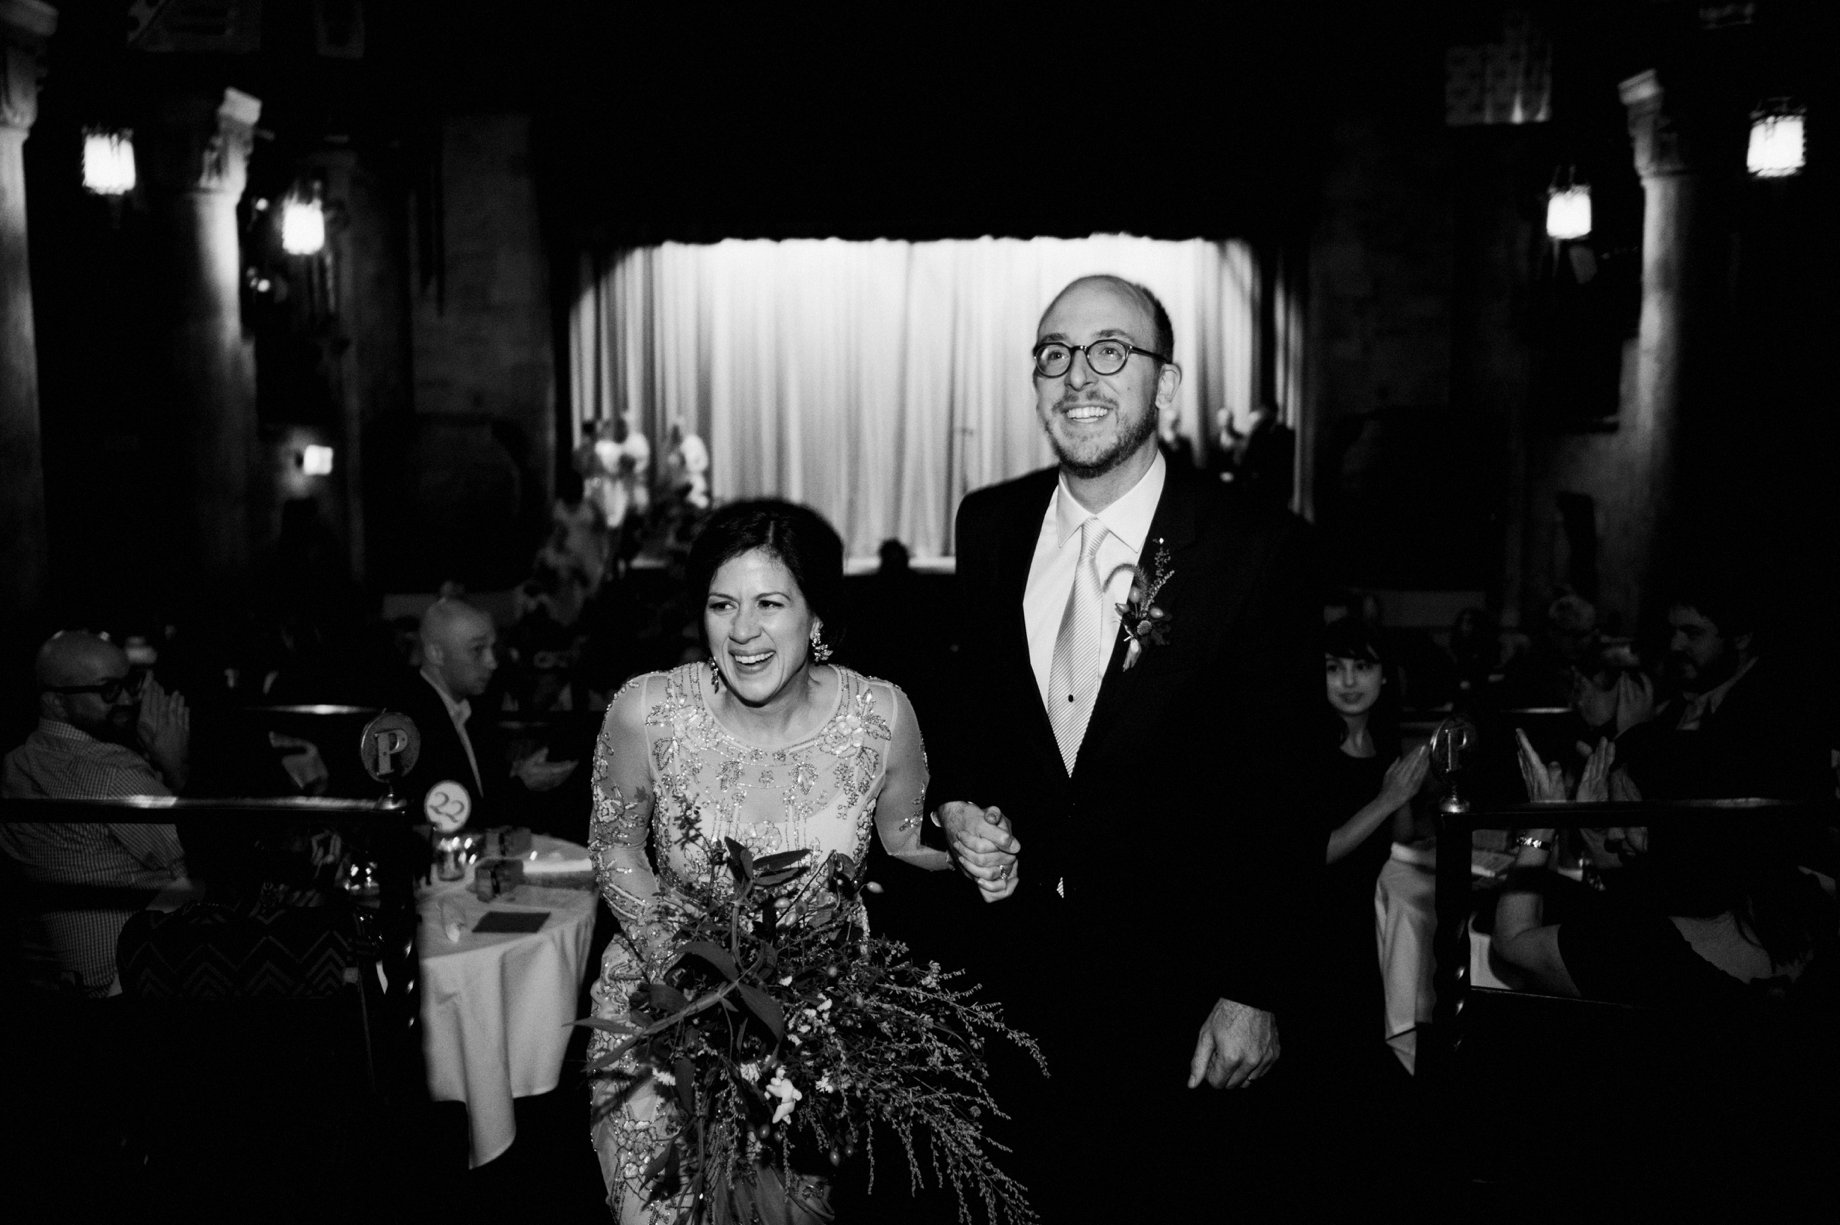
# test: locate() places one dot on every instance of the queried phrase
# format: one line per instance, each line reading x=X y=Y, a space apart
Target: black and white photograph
x=967 y=614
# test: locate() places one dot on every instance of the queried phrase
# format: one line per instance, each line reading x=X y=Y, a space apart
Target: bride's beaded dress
x=671 y=781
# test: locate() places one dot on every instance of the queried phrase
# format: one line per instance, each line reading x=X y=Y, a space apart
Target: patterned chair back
x=255 y=949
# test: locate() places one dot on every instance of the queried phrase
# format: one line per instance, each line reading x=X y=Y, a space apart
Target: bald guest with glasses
x=104 y=730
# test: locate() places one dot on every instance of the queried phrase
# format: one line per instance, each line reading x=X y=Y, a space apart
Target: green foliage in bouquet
x=782 y=1033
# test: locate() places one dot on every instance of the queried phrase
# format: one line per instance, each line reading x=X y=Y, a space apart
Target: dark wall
x=476 y=461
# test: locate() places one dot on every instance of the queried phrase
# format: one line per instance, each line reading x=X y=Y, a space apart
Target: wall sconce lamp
x=316 y=460
x=1568 y=208
x=108 y=161
x=303 y=224
x=1778 y=148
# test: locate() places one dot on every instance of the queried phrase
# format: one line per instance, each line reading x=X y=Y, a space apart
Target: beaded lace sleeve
x=901 y=806
x=623 y=800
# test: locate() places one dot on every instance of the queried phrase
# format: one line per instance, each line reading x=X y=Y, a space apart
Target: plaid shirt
x=82 y=882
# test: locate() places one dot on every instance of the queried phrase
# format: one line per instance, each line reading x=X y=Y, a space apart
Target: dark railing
x=165 y=809
x=377 y=830
x=1442 y=1041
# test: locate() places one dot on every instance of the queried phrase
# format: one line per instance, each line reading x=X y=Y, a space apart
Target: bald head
x=1163 y=332
x=84 y=661
x=458 y=644
x=78 y=658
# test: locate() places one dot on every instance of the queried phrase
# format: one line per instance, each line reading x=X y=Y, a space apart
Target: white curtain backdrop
x=880 y=381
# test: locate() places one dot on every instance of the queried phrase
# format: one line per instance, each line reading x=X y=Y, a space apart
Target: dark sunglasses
x=109 y=690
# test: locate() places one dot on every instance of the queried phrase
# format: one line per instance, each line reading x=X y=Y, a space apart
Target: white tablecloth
x=497 y=1009
x=1406 y=916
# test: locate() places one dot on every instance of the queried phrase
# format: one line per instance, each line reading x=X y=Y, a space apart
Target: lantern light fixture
x=108 y=161
x=1778 y=145
x=1568 y=207
x=316 y=460
x=303 y=224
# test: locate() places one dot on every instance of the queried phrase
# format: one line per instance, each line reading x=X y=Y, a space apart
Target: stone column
x=25 y=25
x=1688 y=152
x=368 y=342
x=193 y=152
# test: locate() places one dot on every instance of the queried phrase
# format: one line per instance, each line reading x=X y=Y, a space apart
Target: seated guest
x=461 y=746
x=1367 y=789
x=103 y=731
x=1568 y=639
x=1739 y=725
x=1717 y=905
x=1720 y=1082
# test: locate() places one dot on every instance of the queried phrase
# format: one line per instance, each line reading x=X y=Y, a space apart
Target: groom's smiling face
x=1100 y=422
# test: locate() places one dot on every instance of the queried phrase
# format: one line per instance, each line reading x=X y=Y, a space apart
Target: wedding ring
x=1003 y=872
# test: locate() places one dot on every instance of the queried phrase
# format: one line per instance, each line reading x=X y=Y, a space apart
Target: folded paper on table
x=500 y=921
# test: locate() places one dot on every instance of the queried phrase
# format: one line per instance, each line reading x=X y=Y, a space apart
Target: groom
x=1120 y=785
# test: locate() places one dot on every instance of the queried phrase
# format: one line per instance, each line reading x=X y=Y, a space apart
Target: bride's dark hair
x=800 y=537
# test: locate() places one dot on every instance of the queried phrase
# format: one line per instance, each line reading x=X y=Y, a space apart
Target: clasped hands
x=1237 y=1043
x=983 y=846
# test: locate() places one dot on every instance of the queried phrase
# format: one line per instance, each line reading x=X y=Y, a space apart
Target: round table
x=497 y=1010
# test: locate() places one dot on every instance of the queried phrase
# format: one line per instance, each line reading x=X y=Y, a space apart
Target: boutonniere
x=1144 y=622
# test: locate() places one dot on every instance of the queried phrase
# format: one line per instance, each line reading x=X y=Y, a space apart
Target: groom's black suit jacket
x=1172 y=869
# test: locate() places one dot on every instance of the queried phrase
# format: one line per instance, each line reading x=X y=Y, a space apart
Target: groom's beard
x=1131 y=436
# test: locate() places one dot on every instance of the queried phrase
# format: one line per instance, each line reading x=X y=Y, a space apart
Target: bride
x=765 y=743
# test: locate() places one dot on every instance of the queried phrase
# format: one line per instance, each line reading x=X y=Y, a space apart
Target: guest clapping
x=1728 y=717
x=1366 y=792
x=1722 y=905
x=1369 y=778
x=104 y=730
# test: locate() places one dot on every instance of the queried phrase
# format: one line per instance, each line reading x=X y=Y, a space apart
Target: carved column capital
x=199 y=142
x=1682 y=129
x=25 y=27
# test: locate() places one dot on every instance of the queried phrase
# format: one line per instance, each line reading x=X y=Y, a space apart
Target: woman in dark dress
x=1367 y=788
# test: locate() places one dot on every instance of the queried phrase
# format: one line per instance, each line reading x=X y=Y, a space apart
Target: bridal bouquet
x=783 y=1035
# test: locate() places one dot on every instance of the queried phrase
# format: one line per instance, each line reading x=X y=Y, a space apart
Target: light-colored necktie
x=1073 y=677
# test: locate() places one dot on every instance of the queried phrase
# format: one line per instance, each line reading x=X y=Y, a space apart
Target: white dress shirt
x=459 y=711
x=1057 y=552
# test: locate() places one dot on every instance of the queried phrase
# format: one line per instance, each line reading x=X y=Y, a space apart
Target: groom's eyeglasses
x=109 y=691
x=1053 y=357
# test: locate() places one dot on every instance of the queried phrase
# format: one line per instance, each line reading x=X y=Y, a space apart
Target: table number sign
x=389 y=747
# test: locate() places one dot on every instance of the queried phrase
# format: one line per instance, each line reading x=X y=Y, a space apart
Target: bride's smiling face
x=758 y=626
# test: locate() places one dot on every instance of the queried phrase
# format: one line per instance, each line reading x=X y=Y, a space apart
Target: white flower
x=663 y=1077
x=750 y=1071
x=787 y=1093
x=824 y=1003
x=825 y=1085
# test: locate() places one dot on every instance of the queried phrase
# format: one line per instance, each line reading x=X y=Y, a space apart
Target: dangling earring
x=715 y=677
x=820 y=650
